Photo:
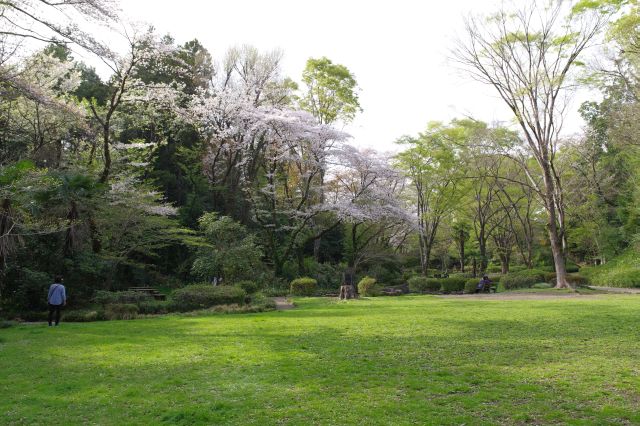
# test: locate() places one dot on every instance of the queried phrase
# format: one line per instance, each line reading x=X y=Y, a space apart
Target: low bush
x=276 y=291
x=120 y=297
x=368 y=287
x=572 y=267
x=494 y=268
x=263 y=302
x=453 y=284
x=577 y=280
x=121 y=311
x=87 y=315
x=465 y=275
x=495 y=278
x=249 y=287
x=154 y=307
x=541 y=285
x=32 y=316
x=203 y=296
x=7 y=324
x=623 y=271
x=522 y=279
x=420 y=284
x=304 y=286
x=471 y=284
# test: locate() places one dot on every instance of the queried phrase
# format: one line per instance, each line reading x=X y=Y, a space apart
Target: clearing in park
x=569 y=359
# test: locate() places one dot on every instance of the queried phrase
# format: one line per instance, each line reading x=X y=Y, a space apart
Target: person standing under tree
x=56 y=299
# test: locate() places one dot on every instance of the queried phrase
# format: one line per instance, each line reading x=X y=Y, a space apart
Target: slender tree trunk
x=555 y=238
x=504 y=263
x=461 y=243
x=482 y=245
x=107 y=155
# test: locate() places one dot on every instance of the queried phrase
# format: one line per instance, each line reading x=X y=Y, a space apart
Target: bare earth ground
x=283 y=304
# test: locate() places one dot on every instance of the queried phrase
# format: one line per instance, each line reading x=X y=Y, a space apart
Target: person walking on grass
x=56 y=299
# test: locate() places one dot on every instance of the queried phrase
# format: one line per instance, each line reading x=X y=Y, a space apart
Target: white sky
x=396 y=49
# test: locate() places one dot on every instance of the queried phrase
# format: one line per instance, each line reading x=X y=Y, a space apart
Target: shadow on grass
x=323 y=361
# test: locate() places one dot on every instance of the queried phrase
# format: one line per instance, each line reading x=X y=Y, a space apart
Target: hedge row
x=446 y=285
x=304 y=286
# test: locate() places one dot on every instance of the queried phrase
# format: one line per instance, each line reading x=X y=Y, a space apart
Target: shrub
x=453 y=284
x=465 y=275
x=420 y=284
x=276 y=291
x=572 y=267
x=495 y=278
x=577 y=280
x=328 y=276
x=118 y=311
x=84 y=315
x=549 y=277
x=7 y=324
x=471 y=284
x=522 y=279
x=249 y=287
x=202 y=296
x=303 y=286
x=541 y=285
x=262 y=302
x=32 y=316
x=368 y=287
x=120 y=297
x=152 y=307
x=494 y=268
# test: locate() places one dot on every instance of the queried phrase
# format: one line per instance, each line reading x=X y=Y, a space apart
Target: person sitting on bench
x=484 y=284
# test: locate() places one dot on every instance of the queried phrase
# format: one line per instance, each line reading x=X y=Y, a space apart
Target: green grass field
x=388 y=361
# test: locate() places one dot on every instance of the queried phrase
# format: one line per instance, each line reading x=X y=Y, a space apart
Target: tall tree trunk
x=461 y=245
x=107 y=155
x=482 y=245
x=555 y=234
x=504 y=263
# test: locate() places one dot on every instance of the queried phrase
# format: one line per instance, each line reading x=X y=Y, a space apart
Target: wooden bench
x=150 y=291
x=491 y=288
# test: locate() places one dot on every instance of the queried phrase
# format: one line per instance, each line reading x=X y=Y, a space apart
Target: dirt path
x=283 y=304
x=617 y=289
x=522 y=296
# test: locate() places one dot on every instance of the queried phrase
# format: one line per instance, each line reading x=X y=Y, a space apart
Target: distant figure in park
x=485 y=282
x=56 y=299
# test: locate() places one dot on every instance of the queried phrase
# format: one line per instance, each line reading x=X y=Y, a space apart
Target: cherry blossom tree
x=125 y=88
x=364 y=193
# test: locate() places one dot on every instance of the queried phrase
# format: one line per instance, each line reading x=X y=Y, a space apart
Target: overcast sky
x=397 y=50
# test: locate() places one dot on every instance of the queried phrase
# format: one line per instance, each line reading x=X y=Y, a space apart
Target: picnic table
x=153 y=292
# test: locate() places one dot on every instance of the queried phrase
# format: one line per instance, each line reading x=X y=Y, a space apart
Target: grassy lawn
x=387 y=361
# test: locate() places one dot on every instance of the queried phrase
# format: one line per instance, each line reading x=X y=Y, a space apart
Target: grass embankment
x=405 y=360
x=622 y=271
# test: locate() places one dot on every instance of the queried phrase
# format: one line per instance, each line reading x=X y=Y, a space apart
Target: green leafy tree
x=231 y=251
x=331 y=91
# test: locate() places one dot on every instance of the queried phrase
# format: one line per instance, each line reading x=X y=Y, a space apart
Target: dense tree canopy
x=183 y=165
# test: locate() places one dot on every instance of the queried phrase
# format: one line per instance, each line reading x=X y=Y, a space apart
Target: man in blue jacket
x=56 y=299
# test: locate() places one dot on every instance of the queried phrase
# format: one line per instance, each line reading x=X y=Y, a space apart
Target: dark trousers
x=56 y=309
